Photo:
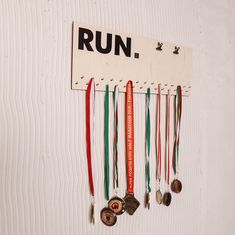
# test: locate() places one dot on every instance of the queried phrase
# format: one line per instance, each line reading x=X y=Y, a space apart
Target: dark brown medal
x=166 y=198
x=108 y=217
x=147 y=200
x=176 y=186
x=159 y=197
x=131 y=203
x=92 y=211
x=116 y=204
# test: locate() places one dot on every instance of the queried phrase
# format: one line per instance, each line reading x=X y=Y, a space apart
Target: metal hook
x=159 y=46
x=176 y=51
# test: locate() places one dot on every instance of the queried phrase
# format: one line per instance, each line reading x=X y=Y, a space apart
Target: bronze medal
x=131 y=203
x=92 y=211
x=166 y=198
x=159 y=197
x=176 y=186
x=147 y=200
x=116 y=204
x=108 y=217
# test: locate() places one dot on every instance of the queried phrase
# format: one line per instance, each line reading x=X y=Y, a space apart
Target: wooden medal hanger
x=113 y=58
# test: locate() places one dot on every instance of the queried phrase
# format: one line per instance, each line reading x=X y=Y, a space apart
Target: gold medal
x=176 y=186
x=131 y=203
x=166 y=198
x=108 y=217
x=116 y=204
x=159 y=197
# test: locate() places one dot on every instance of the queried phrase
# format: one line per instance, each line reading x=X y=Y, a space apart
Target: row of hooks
x=137 y=82
x=141 y=87
x=160 y=45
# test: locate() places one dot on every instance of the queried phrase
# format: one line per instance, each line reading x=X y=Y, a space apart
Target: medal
x=147 y=151
x=107 y=216
x=116 y=204
x=166 y=198
x=131 y=203
x=158 y=147
x=159 y=197
x=176 y=185
x=90 y=108
x=167 y=195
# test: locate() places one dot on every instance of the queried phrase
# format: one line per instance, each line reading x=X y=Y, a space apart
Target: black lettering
x=108 y=47
x=126 y=48
x=85 y=41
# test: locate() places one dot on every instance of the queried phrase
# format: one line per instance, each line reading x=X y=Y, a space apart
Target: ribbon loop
x=106 y=142
x=178 y=113
x=115 y=141
x=158 y=141
x=148 y=140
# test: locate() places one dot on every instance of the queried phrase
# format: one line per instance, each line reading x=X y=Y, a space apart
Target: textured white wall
x=43 y=171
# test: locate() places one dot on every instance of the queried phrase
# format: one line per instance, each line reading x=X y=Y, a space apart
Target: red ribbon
x=159 y=150
x=130 y=137
x=167 y=149
x=89 y=99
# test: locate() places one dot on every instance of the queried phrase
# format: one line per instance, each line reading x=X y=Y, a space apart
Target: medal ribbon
x=90 y=108
x=106 y=128
x=148 y=140
x=159 y=151
x=178 y=112
x=115 y=145
x=130 y=137
x=167 y=139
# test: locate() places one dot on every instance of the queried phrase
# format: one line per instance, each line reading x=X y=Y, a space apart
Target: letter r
x=82 y=40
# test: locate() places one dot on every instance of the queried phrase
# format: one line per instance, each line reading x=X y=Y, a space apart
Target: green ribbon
x=106 y=134
x=115 y=159
x=148 y=139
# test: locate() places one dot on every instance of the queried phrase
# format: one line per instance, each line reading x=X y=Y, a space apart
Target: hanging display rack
x=113 y=58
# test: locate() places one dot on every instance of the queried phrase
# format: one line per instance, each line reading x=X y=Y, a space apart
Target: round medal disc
x=166 y=199
x=176 y=186
x=116 y=204
x=159 y=197
x=108 y=217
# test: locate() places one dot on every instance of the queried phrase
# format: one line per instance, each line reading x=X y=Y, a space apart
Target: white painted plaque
x=113 y=58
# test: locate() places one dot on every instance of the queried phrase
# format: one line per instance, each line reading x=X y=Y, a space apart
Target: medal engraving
x=166 y=199
x=159 y=197
x=131 y=204
x=116 y=204
x=108 y=217
x=176 y=186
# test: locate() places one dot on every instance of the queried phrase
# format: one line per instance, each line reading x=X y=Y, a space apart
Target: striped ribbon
x=167 y=140
x=148 y=188
x=106 y=128
x=90 y=114
x=178 y=113
x=115 y=145
x=158 y=142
